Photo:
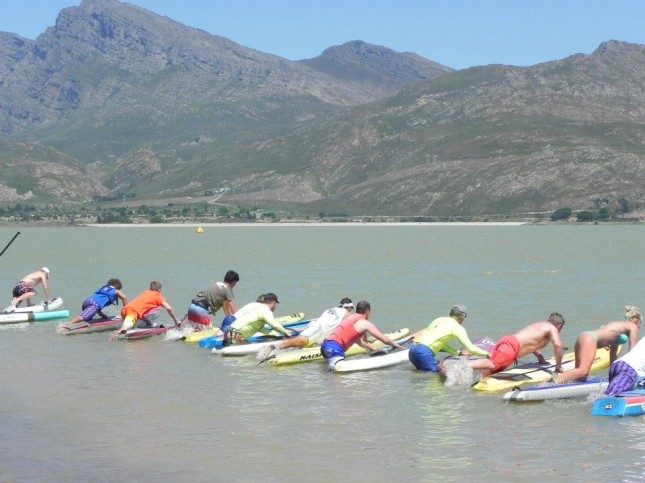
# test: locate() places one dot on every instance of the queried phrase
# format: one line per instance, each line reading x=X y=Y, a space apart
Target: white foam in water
x=265 y=351
x=178 y=332
x=459 y=374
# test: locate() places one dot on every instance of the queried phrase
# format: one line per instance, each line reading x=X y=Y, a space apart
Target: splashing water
x=459 y=374
x=177 y=333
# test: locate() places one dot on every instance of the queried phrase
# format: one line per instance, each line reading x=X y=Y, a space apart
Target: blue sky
x=456 y=33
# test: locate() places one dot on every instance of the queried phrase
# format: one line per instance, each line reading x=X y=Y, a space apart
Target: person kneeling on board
x=142 y=305
x=315 y=331
x=24 y=290
x=353 y=330
x=529 y=340
x=106 y=295
x=612 y=334
x=207 y=302
x=252 y=318
x=437 y=335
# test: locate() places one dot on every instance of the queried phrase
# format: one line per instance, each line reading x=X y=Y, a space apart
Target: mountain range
x=116 y=99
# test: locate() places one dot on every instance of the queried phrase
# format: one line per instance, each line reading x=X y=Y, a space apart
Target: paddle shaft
x=9 y=244
x=406 y=344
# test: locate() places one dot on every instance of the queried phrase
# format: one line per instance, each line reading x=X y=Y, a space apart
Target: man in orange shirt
x=142 y=305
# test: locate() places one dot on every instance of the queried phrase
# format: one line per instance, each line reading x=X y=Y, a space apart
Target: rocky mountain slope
x=144 y=104
x=381 y=69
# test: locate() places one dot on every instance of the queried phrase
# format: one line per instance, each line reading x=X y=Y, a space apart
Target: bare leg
x=298 y=341
x=25 y=296
x=586 y=346
x=484 y=367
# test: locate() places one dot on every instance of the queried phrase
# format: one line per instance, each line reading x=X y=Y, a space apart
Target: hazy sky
x=456 y=33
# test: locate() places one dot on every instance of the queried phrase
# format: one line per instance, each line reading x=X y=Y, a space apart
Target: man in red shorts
x=529 y=340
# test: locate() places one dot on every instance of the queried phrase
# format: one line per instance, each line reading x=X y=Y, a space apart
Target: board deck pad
x=534 y=372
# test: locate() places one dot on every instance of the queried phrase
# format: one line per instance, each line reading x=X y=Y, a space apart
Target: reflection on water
x=85 y=408
x=447 y=442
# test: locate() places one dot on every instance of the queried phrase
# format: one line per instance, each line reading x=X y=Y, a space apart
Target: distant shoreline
x=304 y=224
x=239 y=225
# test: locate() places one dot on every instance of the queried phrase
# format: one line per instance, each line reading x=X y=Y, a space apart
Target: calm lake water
x=81 y=408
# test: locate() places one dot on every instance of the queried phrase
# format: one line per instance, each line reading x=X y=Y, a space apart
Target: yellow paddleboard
x=534 y=372
x=313 y=353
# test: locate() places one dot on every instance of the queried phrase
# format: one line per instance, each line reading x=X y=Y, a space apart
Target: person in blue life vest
x=106 y=295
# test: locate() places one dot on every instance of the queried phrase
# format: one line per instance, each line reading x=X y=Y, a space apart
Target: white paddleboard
x=368 y=363
x=243 y=349
x=54 y=304
x=558 y=391
x=392 y=358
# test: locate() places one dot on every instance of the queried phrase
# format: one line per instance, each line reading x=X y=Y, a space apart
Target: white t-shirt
x=317 y=330
x=636 y=358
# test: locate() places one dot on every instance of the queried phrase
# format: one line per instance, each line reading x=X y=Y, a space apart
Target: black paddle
x=10 y=242
x=389 y=348
x=518 y=377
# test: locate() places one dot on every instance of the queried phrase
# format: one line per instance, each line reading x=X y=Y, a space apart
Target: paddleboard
x=392 y=358
x=53 y=305
x=253 y=345
x=313 y=353
x=195 y=337
x=101 y=325
x=20 y=317
x=292 y=322
x=246 y=348
x=534 y=372
x=217 y=342
x=134 y=334
x=94 y=325
x=631 y=403
x=557 y=391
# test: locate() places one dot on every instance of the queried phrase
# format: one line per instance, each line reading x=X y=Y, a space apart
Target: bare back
x=609 y=333
x=535 y=336
x=34 y=278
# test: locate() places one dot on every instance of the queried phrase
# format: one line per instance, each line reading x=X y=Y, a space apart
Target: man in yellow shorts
x=142 y=305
